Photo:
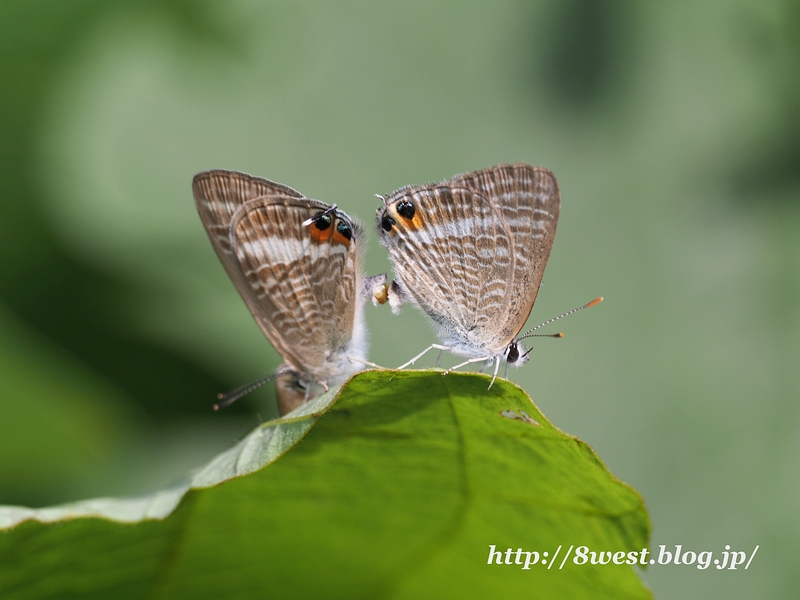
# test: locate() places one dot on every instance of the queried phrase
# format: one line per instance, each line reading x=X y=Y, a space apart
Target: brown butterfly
x=471 y=253
x=297 y=264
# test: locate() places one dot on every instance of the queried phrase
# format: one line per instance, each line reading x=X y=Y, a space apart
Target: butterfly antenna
x=569 y=312
x=552 y=335
x=381 y=198
x=310 y=220
x=229 y=398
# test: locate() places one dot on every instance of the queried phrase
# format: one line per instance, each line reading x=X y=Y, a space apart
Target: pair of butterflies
x=470 y=252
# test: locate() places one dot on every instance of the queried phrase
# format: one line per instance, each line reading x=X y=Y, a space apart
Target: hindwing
x=299 y=277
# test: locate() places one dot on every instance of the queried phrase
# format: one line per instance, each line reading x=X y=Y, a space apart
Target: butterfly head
x=515 y=354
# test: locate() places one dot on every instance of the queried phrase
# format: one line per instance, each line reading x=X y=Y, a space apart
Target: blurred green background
x=674 y=131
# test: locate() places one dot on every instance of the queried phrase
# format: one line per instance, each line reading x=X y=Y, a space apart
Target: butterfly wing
x=300 y=281
x=527 y=201
x=471 y=251
x=218 y=194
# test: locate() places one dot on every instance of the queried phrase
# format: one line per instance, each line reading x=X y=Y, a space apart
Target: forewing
x=218 y=195
x=528 y=202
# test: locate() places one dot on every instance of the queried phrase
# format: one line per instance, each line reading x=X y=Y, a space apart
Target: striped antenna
x=569 y=312
x=229 y=398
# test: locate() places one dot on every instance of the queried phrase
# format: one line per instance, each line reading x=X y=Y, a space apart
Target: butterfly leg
x=496 y=368
x=439 y=358
x=467 y=362
x=308 y=390
x=421 y=354
x=365 y=362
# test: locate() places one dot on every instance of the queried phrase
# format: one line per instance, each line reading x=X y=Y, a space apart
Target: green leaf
x=395 y=488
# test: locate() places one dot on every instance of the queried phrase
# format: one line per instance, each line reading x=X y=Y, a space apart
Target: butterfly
x=297 y=264
x=471 y=252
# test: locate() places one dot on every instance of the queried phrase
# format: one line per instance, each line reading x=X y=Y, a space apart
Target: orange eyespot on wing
x=326 y=228
x=340 y=237
x=406 y=213
x=321 y=235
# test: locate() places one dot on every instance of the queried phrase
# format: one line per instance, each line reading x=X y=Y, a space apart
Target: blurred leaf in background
x=672 y=130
